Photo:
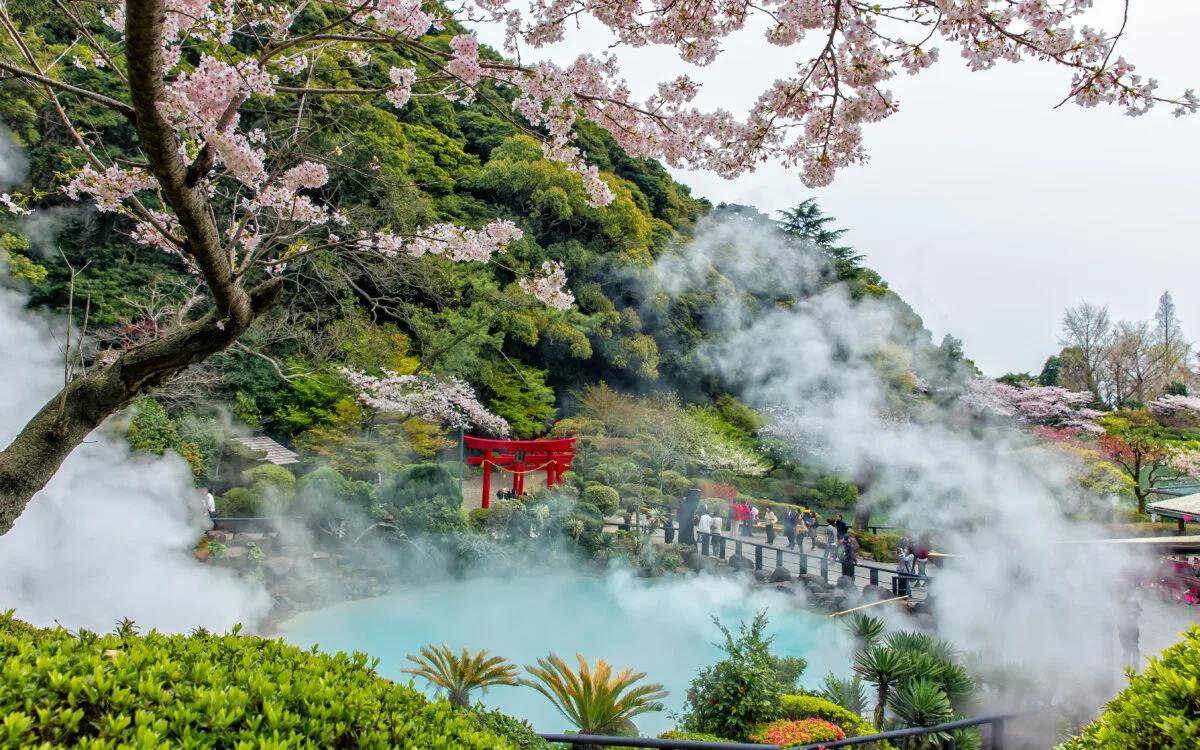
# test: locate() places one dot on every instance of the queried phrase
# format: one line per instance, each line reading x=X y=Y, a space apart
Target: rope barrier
x=501 y=467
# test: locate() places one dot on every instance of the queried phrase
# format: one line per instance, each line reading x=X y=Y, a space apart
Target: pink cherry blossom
x=402 y=80
x=550 y=286
x=445 y=401
x=110 y=187
x=1050 y=406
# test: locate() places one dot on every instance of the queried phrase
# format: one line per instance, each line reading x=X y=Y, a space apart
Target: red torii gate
x=521 y=456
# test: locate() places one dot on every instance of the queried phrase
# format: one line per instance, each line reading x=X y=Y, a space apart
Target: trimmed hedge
x=1159 y=710
x=679 y=734
x=811 y=707
x=517 y=731
x=59 y=689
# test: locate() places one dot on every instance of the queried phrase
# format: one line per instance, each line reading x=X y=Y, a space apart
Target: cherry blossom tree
x=1049 y=406
x=447 y=401
x=225 y=183
x=1177 y=412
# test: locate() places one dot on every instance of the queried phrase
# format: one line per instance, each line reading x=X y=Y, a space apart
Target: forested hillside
x=626 y=349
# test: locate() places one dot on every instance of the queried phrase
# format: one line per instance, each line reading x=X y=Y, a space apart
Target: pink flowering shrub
x=789 y=733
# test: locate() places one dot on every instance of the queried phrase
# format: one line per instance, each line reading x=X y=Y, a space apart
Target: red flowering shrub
x=789 y=733
x=716 y=489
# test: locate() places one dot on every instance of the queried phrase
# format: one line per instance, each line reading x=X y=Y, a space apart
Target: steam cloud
x=111 y=535
x=1017 y=593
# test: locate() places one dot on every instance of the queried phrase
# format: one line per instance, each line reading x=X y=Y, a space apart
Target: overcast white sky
x=985 y=208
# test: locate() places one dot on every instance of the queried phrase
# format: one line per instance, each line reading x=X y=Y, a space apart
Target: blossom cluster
x=1176 y=411
x=445 y=401
x=445 y=240
x=549 y=286
x=110 y=187
x=1050 y=406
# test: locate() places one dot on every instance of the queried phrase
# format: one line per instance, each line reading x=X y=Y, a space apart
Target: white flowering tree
x=1048 y=406
x=226 y=183
x=444 y=401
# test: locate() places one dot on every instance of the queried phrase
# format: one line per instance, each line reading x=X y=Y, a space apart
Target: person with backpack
x=831 y=539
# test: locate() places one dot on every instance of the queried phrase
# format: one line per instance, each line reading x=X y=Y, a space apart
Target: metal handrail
x=996 y=721
x=996 y=741
x=600 y=740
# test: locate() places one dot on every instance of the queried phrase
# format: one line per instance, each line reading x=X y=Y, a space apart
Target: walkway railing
x=797 y=562
x=993 y=739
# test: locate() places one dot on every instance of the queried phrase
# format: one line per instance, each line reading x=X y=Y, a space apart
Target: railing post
x=705 y=544
x=737 y=547
x=758 y=557
x=779 y=558
x=824 y=568
x=998 y=735
x=721 y=544
x=874 y=576
x=803 y=564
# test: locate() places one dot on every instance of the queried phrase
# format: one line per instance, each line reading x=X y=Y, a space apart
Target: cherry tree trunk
x=34 y=456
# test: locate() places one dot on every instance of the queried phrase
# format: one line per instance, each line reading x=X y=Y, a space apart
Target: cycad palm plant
x=594 y=699
x=865 y=629
x=849 y=694
x=459 y=674
x=885 y=669
x=921 y=703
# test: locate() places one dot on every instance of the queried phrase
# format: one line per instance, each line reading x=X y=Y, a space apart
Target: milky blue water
x=661 y=627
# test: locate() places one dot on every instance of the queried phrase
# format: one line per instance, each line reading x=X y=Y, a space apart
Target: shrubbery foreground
x=59 y=688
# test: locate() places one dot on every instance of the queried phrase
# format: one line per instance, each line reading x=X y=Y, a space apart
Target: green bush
x=792 y=732
x=603 y=498
x=680 y=734
x=811 y=707
x=739 y=693
x=325 y=494
x=239 y=502
x=1159 y=710
x=517 y=731
x=477 y=519
x=274 y=484
x=425 y=498
x=211 y=691
x=674 y=484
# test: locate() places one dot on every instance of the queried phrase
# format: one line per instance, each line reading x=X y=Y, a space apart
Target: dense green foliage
x=1159 y=710
x=742 y=691
x=124 y=690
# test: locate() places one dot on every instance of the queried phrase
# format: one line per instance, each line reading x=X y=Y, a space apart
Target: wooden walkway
x=806 y=559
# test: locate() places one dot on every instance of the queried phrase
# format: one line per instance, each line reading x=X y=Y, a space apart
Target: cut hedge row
x=59 y=689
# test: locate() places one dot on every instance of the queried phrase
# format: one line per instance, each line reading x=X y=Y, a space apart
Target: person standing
x=716 y=525
x=831 y=539
x=810 y=521
x=769 y=520
x=1128 y=632
x=705 y=525
x=210 y=507
x=668 y=529
x=643 y=522
x=905 y=569
x=751 y=519
x=790 y=520
x=842 y=528
x=732 y=517
x=849 y=555
x=922 y=555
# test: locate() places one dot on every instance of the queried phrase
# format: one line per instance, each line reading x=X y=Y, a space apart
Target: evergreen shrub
x=62 y=689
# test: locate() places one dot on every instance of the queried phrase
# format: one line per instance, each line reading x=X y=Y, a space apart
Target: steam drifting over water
x=822 y=364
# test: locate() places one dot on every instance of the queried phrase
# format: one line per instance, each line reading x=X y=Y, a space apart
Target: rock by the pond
x=234 y=553
x=279 y=565
x=781 y=575
x=845 y=583
x=740 y=562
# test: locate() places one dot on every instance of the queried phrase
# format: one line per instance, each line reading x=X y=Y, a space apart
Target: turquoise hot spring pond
x=662 y=627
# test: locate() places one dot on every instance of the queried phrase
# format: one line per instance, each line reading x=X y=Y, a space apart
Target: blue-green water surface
x=661 y=627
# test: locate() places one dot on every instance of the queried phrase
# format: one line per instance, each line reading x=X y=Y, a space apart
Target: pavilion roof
x=275 y=453
x=1177 y=507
